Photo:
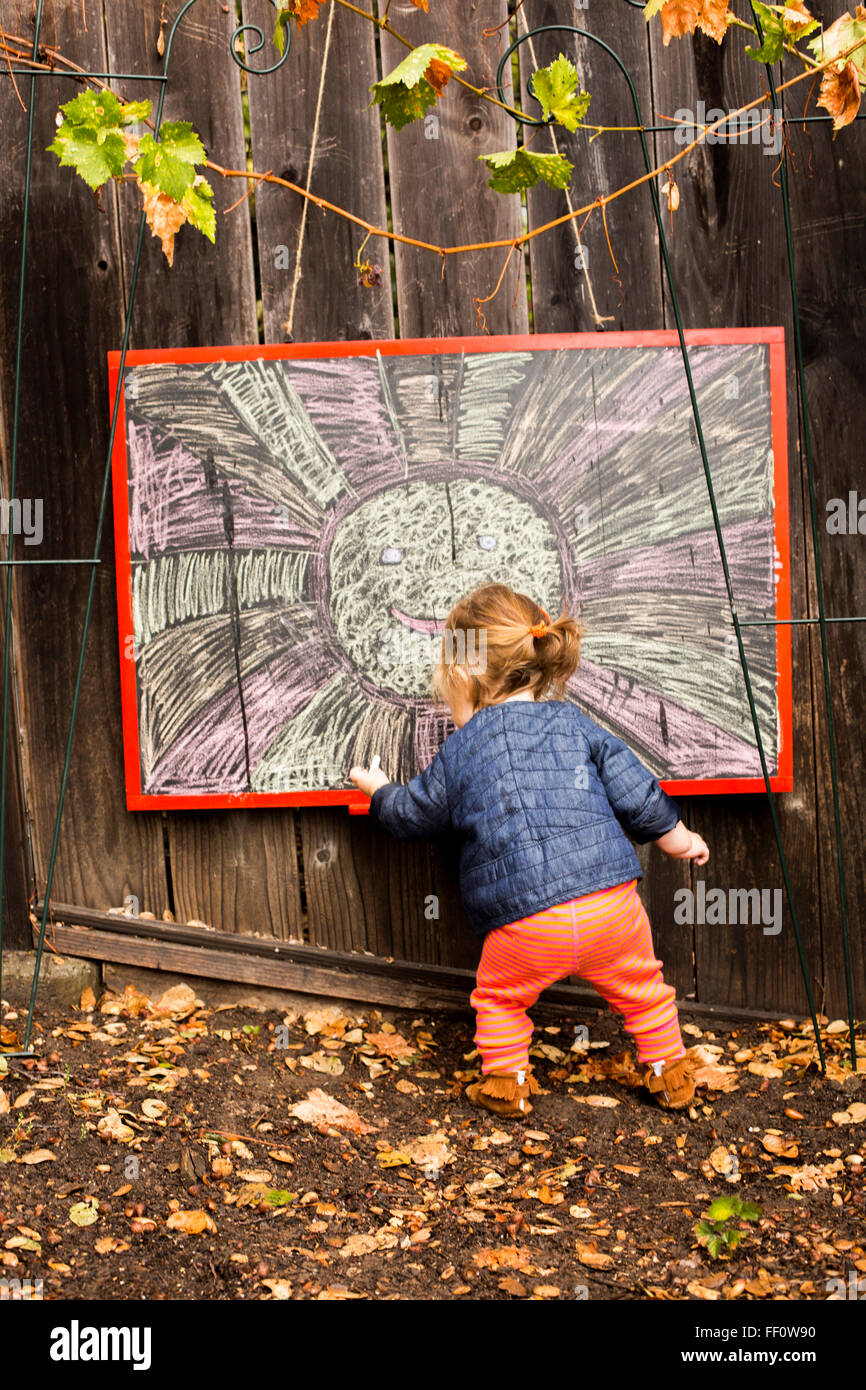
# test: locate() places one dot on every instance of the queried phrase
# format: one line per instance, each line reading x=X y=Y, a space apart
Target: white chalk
x=374 y=766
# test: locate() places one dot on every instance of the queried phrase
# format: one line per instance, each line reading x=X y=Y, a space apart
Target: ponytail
x=522 y=648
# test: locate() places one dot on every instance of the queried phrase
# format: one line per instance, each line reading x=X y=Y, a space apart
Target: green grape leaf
x=782 y=25
x=90 y=136
x=169 y=164
x=514 y=170
x=102 y=110
x=723 y=1208
x=773 y=46
x=412 y=86
x=135 y=111
x=95 y=154
x=279 y=39
x=198 y=204
x=556 y=87
x=749 y=1212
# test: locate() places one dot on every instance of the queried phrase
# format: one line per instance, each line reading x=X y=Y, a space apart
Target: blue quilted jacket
x=540 y=796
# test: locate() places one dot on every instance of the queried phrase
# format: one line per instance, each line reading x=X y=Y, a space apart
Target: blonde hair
x=497 y=642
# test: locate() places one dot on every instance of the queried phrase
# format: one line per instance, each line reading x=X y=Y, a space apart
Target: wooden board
x=73 y=296
x=244 y=876
x=728 y=257
x=827 y=198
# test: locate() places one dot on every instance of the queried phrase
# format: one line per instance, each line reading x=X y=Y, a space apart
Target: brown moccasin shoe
x=674 y=1089
x=504 y=1093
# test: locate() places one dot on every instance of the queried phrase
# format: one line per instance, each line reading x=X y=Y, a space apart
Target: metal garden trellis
x=822 y=620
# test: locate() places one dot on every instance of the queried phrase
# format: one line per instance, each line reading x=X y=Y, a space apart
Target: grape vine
x=93 y=133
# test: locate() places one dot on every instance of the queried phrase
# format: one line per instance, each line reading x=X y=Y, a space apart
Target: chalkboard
x=293 y=523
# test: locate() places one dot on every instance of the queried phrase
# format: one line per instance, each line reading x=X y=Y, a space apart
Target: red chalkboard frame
x=774 y=337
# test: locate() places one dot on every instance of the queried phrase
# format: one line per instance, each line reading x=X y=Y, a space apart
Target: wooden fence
x=314 y=876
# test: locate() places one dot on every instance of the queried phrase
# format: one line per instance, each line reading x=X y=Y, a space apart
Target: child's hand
x=369 y=779
x=681 y=843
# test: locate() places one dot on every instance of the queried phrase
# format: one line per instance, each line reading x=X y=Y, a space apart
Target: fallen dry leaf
x=589 y=1254
x=779 y=1146
x=39 y=1156
x=325 y=1062
x=698 y=1290
x=854 y=1115
x=107 y=1245
x=111 y=1126
x=502 y=1257
x=153 y=1109
x=365 y=1244
x=321 y=1109
x=512 y=1287
x=724 y=1162
x=391 y=1045
x=177 y=1002
x=330 y=1018
x=190 y=1222
x=768 y=1069
x=278 y=1287
x=430 y=1152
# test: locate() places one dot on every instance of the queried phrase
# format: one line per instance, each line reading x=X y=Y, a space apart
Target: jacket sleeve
x=640 y=805
x=417 y=810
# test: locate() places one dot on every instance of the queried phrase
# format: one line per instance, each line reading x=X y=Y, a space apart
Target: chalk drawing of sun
x=299 y=528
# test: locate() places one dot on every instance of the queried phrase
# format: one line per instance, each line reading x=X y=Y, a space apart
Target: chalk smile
x=428 y=625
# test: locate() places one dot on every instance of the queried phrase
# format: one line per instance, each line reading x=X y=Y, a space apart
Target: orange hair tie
x=540 y=629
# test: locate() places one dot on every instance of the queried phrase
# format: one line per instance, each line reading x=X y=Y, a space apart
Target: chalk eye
x=486 y=542
x=391 y=555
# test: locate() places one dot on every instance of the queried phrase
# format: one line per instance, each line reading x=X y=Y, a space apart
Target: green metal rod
x=13 y=475
x=788 y=622
x=80 y=76
x=567 y=28
x=819 y=582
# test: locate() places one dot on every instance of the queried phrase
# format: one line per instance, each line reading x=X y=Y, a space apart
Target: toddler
x=541 y=796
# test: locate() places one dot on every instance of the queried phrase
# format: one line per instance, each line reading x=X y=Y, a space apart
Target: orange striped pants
x=606 y=939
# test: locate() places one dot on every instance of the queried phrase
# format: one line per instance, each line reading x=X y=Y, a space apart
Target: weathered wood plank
x=16 y=873
x=348 y=171
x=375 y=982
x=441 y=153
x=357 y=881
x=439 y=188
x=575 y=288
x=73 y=313
x=235 y=870
x=828 y=195
x=571 y=287
x=727 y=251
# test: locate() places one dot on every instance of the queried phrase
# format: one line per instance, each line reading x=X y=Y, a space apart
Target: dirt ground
x=162 y=1150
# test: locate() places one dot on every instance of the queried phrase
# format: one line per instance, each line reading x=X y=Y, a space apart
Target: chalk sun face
x=400 y=561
